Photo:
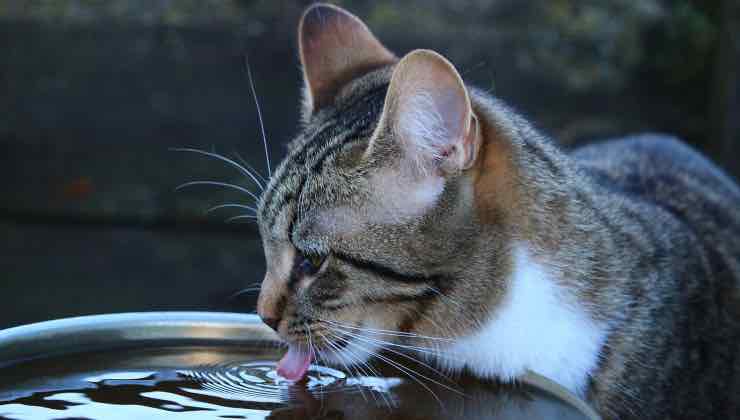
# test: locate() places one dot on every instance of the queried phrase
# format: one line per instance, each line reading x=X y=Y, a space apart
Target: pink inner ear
x=429 y=108
x=453 y=108
x=431 y=123
x=336 y=47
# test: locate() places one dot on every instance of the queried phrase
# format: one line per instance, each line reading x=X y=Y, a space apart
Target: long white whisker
x=223 y=206
x=360 y=363
x=259 y=115
x=310 y=341
x=242 y=169
x=250 y=167
x=244 y=291
x=386 y=399
x=410 y=373
x=428 y=366
x=431 y=321
x=385 y=332
x=334 y=349
x=313 y=350
x=421 y=349
x=447 y=298
x=242 y=216
x=338 y=354
x=218 y=184
x=354 y=359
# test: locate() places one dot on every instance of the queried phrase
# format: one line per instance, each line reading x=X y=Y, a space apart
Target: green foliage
x=683 y=43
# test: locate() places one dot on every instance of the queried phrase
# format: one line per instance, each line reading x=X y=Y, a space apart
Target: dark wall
x=89 y=106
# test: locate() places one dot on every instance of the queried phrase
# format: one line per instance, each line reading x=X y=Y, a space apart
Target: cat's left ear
x=429 y=114
x=335 y=47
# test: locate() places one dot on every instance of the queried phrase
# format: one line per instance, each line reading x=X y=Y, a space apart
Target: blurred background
x=93 y=93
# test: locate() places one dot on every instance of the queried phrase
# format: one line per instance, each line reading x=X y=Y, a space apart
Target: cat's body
x=412 y=203
x=673 y=227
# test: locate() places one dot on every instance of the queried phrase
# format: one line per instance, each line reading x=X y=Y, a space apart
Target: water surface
x=237 y=383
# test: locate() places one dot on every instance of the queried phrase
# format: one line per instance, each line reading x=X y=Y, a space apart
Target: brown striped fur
x=643 y=231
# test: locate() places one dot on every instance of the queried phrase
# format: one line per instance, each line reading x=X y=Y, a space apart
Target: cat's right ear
x=429 y=114
x=335 y=47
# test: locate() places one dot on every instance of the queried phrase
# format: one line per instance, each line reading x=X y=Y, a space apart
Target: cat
x=413 y=212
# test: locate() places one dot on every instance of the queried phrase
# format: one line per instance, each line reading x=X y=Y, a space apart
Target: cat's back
x=690 y=210
x=665 y=172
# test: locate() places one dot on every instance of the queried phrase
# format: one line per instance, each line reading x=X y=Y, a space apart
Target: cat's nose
x=271 y=301
x=271 y=322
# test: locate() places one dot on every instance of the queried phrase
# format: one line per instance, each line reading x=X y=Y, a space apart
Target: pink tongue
x=294 y=364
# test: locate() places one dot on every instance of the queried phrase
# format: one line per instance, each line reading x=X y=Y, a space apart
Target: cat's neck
x=540 y=197
x=533 y=196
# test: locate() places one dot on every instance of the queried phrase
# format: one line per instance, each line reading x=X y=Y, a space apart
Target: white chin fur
x=539 y=327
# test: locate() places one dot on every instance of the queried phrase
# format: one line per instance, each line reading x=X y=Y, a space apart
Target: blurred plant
x=683 y=43
x=171 y=12
x=589 y=43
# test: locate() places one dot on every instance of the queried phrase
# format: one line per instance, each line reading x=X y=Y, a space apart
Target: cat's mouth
x=294 y=365
x=342 y=350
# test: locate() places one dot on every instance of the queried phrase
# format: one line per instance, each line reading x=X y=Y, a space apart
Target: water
x=234 y=383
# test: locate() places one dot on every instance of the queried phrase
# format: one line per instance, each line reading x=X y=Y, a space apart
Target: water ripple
x=259 y=381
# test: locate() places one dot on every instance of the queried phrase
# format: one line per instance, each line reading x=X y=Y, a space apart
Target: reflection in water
x=133 y=389
x=158 y=396
x=259 y=381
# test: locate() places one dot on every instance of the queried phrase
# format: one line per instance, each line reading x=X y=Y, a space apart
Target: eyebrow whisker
x=214 y=155
x=218 y=184
x=228 y=205
x=241 y=216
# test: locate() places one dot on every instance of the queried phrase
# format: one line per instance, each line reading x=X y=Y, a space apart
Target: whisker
x=421 y=349
x=311 y=347
x=217 y=184
x=313 y=350
x=428 y=366
x=386 y=399
x=250 y=167
x=385 y=332
x=223 y=206
x=409 y=372
x=446 y=297
x=243 y=292
x=360 y=363
x=259 y=115
x=241 y=216
x=334 y=349
x=242 y=169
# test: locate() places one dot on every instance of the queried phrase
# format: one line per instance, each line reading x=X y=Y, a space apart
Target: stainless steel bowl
x=113 y=331
x=171 y=329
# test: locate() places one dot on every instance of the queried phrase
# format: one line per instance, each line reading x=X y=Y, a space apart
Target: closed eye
x=308 y=264
x=385 y=271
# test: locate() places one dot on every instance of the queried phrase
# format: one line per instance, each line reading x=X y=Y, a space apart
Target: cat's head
x=372 y=221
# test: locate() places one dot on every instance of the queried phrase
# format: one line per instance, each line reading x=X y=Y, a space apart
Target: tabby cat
x=416 y=213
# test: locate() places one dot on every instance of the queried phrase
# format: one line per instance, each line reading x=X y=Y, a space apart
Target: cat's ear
x=428 y=111
x=335 y=47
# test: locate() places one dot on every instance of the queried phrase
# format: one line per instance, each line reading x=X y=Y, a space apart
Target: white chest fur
x=539 y=327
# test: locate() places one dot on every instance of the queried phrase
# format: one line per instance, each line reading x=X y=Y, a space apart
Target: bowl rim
x=87 y=333
x=131 y=329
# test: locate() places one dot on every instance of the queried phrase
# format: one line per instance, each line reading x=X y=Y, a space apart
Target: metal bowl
x=128 y=330
x=52 y=340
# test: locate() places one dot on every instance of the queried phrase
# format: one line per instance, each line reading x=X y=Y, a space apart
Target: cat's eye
x=309 y=264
